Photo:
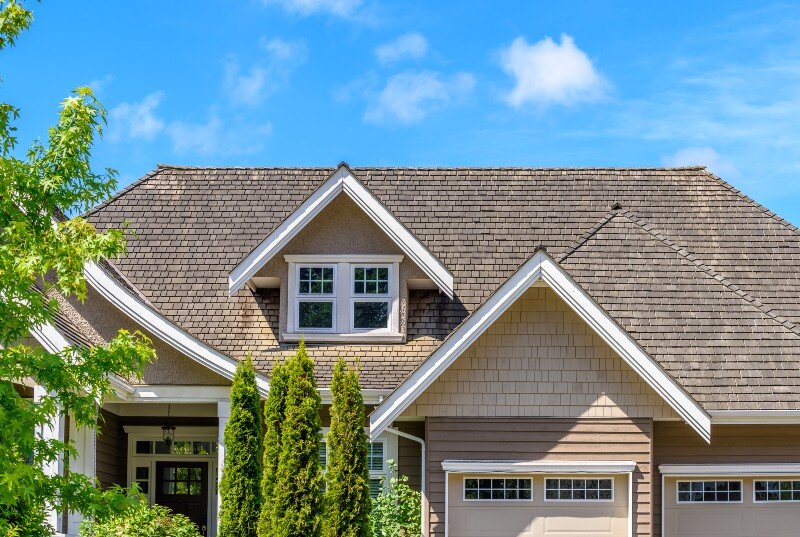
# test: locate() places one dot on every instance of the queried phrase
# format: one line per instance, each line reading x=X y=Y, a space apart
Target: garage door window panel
x=709 y=492
x=579 y=490
x=488 y=489
x=776 y=491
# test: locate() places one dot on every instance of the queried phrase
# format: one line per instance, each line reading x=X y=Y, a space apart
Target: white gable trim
x=163 y=328
x=537 y=467
x=341 y=181
x=541 y=267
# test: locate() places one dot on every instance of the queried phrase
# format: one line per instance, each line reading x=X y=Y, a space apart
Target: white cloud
x=704 y=156
x=138 y=120
x=339 y=8
x=98 y=84
x=408 y=46
x=216 y=137
x=285 y=51
x=548 y=73
x=247 y=88
x=410 y=96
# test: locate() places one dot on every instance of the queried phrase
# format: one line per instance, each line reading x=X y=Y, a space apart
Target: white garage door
x=516 y=505
x=732 y=507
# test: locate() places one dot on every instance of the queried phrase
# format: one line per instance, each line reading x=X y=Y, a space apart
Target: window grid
x=709 y=491
x=315 y=280
x=776 y=491
x=477 y=489
x=570 y=489
x=370 y=280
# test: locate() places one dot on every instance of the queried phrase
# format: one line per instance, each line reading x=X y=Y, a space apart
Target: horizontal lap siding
x=677 y=443
x=111 y=445
x=535 y=439
x=409 y=452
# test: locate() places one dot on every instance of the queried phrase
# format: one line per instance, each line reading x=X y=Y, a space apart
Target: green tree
x=41 y=251
x=240 y=486
x=274 y=414
x=396 y=513
x=347 y=499
x=298 y=485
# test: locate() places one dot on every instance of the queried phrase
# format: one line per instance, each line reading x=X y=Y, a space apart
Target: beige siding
x=535 y=439
x=540 y=359
x=409 y=452
x=677 y=443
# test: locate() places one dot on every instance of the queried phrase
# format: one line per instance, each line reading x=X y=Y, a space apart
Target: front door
x=183 y=488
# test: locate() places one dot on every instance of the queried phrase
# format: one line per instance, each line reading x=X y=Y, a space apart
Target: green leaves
x=397 y=513
x=14 y=19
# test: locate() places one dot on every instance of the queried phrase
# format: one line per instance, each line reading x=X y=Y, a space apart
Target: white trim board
x=729 y=470
x=163 y=328
x=755 y=417
x=541 y=267
x=537 y=467
x=342 y=180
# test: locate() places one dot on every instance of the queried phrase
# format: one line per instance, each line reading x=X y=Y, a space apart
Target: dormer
x=344 y=266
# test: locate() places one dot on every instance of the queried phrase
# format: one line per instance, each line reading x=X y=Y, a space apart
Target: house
x=570 y=352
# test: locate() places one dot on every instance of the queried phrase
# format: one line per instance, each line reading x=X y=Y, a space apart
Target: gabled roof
x=341 y=181
x=703 y=278
x=540 y=267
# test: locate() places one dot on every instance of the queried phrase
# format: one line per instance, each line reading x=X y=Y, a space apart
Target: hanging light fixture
x=168 y=434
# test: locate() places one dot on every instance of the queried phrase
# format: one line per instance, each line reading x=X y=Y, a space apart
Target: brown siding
x=534 y=439
x=111 y=451
x=409 y=452
x=677 y=443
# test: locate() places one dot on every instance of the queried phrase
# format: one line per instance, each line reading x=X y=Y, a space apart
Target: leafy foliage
x=41 y=253
x=396 y=513
x=347 y=499
x=137 y=519
x=297 y=494
x=274 y=414
x=240 y=487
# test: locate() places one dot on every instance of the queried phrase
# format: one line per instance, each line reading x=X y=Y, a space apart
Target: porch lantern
x=168 y=435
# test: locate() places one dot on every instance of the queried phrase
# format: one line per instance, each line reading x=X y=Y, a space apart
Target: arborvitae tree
x=274 y=414
x=348 y=503
x=240 y=487
x=298 y=488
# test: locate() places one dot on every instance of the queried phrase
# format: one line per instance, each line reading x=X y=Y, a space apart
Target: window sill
x=346 y=338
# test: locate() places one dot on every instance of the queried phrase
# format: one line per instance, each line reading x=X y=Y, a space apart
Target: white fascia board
x=538 y=467
x=179 y=394
x=341 y=181
x=163 y=328
x=541 y=267
x=371 y=396
x=729 y=470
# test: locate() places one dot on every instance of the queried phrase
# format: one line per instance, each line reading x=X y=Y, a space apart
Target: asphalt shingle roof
x=704 y=278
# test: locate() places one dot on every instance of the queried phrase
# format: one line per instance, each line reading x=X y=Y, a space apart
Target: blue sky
x=461 y=83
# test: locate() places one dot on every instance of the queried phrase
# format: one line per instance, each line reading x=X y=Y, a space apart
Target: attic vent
x=616 y=207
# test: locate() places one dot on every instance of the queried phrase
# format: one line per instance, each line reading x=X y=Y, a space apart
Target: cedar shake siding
x=540 y=359
x=676 y=443
x=536 y=439
x=112 y=447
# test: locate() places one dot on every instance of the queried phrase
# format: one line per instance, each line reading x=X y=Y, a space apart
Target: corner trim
x=342 y=180
x=541 y=267
x=538 y=467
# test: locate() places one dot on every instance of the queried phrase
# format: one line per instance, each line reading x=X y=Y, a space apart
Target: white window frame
x=485 y=476
x=573 y=500
x=344 y=298
x=778 y=479
x=297 y=297
x=389 y=442
x=715 y=480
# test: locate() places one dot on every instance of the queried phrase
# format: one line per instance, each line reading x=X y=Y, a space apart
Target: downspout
x=424 y=502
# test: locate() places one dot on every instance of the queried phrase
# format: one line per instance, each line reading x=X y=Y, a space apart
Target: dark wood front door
x=183 y=488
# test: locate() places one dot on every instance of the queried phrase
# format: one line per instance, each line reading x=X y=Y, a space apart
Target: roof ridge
x=700 y=265
x=753 y=203
x=162 y=166
x=146 y=177
x=583 y=239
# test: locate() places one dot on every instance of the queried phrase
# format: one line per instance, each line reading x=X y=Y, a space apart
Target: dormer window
x=344 y=298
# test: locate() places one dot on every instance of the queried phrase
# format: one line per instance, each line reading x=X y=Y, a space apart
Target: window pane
x=142 y=472
x=315 y=314
x=719 y=491
x=315 y=280
x=371 y=280
x=375 y=487
x=144 y=486
x=144 y=446
x=497 y=489
x=375 y=457
x=323 y=454
x=368 y=315
x=161 y=448
x=182 y=448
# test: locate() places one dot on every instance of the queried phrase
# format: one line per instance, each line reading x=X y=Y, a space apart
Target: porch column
x=223 y=413
x=52 y=431
x=84 y=463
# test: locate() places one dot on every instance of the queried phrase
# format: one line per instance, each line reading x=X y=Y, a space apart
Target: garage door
x=732 y=507
x=518 y=505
